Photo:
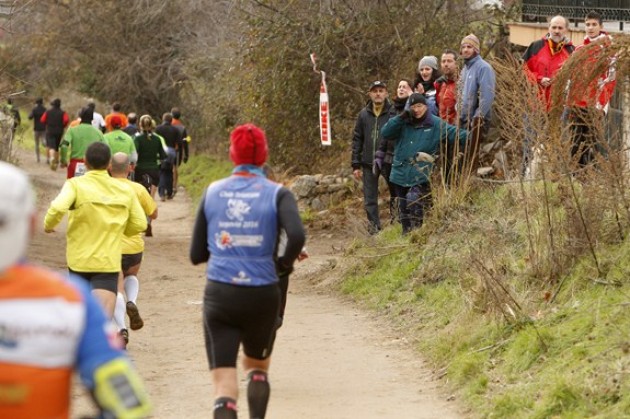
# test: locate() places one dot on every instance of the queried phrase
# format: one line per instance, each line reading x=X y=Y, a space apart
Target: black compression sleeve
x=199 y=244
x=289 y=219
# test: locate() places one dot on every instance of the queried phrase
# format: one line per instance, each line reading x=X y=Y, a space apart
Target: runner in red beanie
x=248 y=145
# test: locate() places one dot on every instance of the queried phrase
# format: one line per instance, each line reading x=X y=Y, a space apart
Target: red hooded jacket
x=541 y=62
x=586 y=91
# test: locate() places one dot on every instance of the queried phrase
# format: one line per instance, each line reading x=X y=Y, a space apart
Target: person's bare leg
x=225 y=386
x=107 y=300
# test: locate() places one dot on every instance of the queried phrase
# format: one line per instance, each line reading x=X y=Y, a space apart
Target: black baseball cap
x=377 y=83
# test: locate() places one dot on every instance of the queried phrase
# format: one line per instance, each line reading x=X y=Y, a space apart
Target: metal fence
x=611 y=10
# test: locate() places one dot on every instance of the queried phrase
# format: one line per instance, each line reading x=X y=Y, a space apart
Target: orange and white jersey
x=48 y=326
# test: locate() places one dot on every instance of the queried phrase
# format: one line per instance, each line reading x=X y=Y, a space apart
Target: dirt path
x=331 y=360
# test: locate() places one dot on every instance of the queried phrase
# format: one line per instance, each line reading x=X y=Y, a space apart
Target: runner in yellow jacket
x=132 y=252
x=100 y=211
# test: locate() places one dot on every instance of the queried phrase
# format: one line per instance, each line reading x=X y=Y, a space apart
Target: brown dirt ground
x=331 y=359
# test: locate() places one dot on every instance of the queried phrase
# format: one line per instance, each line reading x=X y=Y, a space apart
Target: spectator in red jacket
x=589 y=94
x=544 y=57
x=446 y=87
x=542 y=61
x=446 y=100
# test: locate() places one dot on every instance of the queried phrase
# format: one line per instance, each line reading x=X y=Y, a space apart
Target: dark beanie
x=417 y=98
x=86 y=115
x=248 y=145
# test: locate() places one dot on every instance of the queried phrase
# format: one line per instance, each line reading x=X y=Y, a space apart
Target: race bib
x=79 y=169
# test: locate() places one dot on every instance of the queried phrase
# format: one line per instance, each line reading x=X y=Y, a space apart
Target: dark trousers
x=393 y=206
x=586 y=128
x=413 y=204
x=477 y=132
x=165 y=187
x=370 y=199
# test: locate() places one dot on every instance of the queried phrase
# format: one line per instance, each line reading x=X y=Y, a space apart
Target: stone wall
x=318 y=192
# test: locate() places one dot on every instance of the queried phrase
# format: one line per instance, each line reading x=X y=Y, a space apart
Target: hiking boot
x=135 y=321
x=53 y=165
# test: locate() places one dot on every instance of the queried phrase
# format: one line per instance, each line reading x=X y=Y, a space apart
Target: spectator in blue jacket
x=476 y=95
x=418 y=135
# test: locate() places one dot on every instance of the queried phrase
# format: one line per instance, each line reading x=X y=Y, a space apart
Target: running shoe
x=135 y=321
x=124 y=334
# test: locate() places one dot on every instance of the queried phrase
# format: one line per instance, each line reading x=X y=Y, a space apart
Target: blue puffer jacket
x=416 y=136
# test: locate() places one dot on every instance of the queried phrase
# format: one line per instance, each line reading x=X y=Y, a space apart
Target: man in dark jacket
x=56 y=120
x=364 y=143
x=168 y=170
x=39 y=129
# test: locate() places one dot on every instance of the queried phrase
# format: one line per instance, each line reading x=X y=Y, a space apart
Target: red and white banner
x=324 y=109
x=324 y=113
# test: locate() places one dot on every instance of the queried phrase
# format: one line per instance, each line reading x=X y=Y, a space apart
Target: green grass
x=569 y=358
x=200 y=171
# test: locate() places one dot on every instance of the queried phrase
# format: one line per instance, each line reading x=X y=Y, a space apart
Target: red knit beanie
x=248 y=145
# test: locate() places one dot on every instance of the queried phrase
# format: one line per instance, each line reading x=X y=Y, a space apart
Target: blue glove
x=377 y=166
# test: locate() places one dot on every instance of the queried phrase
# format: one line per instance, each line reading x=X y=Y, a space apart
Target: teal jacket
x=416 y=136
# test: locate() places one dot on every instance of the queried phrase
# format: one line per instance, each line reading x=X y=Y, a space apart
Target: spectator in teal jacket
x=417 y=135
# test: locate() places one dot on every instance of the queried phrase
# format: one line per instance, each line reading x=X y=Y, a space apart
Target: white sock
x=132 y=288
x=120 y=311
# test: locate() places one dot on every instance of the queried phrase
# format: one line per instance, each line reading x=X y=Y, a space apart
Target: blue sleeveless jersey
x=242 y=217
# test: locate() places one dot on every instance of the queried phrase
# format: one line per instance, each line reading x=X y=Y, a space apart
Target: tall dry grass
x=569 y=212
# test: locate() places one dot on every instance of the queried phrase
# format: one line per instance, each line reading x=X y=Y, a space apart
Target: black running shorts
x=130 y=260
x=100 y=280
x=238 y=314
x=154 y=174
x=53 y=140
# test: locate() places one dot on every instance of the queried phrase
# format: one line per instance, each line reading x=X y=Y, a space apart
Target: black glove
x=406 y=115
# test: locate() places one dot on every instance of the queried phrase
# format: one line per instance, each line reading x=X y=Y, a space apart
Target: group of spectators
x=441 y=112
x=585 y=98
x=446 y=112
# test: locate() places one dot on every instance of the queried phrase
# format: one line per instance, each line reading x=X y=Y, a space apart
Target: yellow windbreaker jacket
x=100 y=211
